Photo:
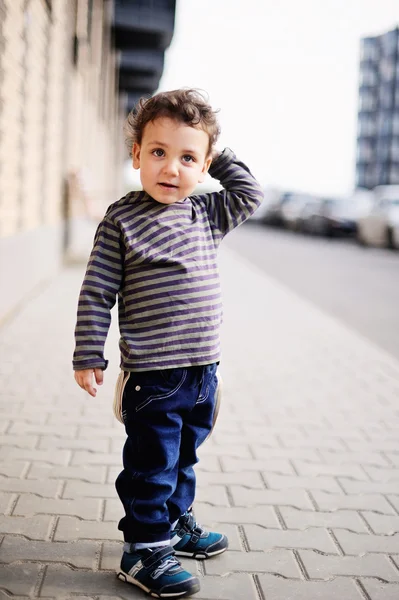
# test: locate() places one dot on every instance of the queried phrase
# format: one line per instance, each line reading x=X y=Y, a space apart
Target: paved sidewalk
x=302 y=471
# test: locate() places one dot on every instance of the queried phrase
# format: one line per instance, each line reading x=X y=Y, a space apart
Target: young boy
x=156 y=251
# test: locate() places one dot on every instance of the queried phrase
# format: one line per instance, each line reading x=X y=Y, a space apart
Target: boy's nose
x=171 y=168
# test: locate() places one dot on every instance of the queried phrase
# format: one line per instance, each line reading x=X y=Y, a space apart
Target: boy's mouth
x=168 y=186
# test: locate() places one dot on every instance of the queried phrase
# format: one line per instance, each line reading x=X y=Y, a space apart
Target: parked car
x=330 y=217
x=309 y=209
x=362 y=201
x=380 y=226
x=293 y=209
x=273 y=214
x=271 y=196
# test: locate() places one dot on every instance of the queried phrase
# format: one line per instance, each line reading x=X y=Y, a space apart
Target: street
x=301 y=471
x=359 y=286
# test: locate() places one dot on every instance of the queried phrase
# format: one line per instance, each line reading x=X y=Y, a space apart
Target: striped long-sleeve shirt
x=160 y=261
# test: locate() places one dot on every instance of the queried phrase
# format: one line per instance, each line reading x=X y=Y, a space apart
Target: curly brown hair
x=188 y=106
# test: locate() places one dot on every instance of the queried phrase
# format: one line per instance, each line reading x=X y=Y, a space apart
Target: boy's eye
x=158 y=152
x=188 y=158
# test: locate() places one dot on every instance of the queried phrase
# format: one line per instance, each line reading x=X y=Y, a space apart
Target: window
x=366 y=126
x=389 y=42
x=367 y=101
x=365 y=151
x=387 y=69
x=75 y=41
x=385 y=123
x=89 y=19
x=395 y=150
x=383 y=149
x=368 y=76
x=385 y=95
x=369 y=49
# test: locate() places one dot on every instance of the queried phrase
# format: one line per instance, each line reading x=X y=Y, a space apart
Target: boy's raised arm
x=97 y=296
x=241 y=195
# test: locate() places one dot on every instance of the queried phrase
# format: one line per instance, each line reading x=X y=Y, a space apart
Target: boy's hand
x=215 y=153
x=84 y=379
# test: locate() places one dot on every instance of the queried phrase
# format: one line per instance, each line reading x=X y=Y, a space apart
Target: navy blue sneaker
x=158 y=572
x=189 y=539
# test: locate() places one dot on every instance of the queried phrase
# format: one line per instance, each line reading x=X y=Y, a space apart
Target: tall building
x=377 y=160
x=69 y=72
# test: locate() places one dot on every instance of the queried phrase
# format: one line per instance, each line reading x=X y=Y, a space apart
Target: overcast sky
x=285 y=75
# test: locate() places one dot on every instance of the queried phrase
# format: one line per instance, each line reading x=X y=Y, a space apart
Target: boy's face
x=172 y=158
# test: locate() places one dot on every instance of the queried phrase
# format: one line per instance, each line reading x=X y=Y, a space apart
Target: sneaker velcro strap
x=194 y=538
x=189 y=523
x=182 y=531
x=157 y=556
x=195 y=535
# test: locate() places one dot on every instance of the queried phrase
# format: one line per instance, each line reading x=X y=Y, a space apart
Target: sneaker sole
x=126 y=578
x=200 y=555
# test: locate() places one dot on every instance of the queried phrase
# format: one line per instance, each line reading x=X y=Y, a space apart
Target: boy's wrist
x=219 y=160
x=89 y=364
x=217 y=153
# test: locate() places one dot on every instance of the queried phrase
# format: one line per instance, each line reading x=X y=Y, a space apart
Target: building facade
x=69 y=72
x=377 y=160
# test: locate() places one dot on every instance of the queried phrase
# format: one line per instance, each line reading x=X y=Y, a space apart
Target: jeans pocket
x=207 y=383
x=218 y=399
x=204 y=394
x=152 y=394
x=166 y=374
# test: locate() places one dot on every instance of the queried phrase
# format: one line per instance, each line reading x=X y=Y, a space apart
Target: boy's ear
x=205 y=168
x=136 y=155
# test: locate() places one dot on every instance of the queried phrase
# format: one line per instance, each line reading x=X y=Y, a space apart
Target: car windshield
x=339 y=206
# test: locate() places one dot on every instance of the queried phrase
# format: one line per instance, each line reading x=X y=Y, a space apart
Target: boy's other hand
x=215 y=153
x=84 y=379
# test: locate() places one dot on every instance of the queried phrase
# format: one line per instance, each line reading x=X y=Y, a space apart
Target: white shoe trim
x=176 y=538
x=200 y=554
x=126 y=578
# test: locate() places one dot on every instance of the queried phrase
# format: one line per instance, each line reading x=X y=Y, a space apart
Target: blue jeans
x=167 y=414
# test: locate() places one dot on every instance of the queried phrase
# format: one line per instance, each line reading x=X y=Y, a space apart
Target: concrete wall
x=61 y=141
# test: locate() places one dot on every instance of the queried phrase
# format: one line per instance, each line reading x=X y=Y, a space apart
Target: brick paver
x=302 y=472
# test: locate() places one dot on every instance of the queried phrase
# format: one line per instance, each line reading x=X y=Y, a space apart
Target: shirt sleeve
x=239 y=199
x=100 y=287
